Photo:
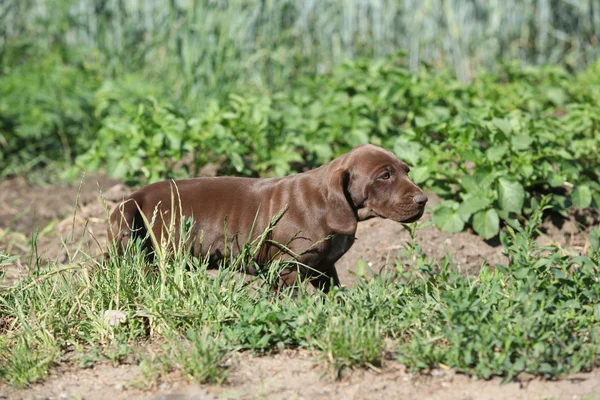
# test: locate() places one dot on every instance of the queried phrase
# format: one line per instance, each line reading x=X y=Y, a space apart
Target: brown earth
x=49 y=210
x=298 y=375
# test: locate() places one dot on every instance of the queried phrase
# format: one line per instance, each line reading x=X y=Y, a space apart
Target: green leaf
x=496 y=153
x=470 y=184
x=447 y=219
x=485 y=178
x=358 y=136
x=505 y=216
x=521 y=142
x=407 y=151
x=572 y=304
x=595 y=238
x=561 y=203
x=486 y=223
x=471 y=205
x=596 y=200
x=471 y=155
x=582 y=196
x=503 y=124
x=510 y=195
x=361 y=267
x=120 y=170
x=526 y=171
x=419 y=174
x=557 y=96
x=237 y=161
x=521 y=273
x=563 y=153
x=420 y=121
x=556 y=180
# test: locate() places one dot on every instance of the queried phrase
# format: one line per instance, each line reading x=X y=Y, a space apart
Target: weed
x=352 y=342
x=200 y=356
x=26 y=360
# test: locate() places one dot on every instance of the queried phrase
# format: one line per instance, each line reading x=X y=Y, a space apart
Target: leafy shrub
x=46 y=112
x=538 y=314
x=265 y=325
x=144 y=146
x=490 y=149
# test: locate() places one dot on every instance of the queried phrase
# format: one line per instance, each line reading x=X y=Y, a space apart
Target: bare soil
x=298 y=375
x=51 y=211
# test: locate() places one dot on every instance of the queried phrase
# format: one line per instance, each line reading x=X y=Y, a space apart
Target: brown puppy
x=321 y=210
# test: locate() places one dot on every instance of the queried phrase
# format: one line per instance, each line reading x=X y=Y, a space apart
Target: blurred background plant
x=213 y=43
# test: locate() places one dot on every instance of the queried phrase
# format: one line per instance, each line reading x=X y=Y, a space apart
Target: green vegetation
x=490 y=148
x=224 y=44
x=538 y=314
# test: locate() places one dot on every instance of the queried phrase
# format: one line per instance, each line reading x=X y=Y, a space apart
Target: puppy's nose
x=420 y=199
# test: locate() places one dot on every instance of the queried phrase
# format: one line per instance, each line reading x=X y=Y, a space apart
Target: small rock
x=440 y=373
x=114 y=317
x=525 y=376
x=129 y=359
x=171 y=396
x=62 y=396
x=120 y=387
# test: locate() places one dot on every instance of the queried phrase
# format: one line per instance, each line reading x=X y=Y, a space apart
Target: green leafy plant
x=490 y=148
x=46 y=112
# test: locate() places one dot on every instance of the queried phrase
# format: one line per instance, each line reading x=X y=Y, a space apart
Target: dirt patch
x=25 y=206
x=47 y=213
x=380 y=242
x=51 y=209
x=298 y=375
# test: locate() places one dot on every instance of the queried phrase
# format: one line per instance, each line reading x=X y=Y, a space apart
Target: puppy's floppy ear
x=340 y=217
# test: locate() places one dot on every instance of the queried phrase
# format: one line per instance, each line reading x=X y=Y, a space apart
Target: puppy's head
x=368 y=182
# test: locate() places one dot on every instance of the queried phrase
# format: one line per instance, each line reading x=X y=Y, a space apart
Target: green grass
x=539 y=314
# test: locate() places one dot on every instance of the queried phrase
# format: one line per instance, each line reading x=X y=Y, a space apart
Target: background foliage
x=152 y=90
x=213 y=42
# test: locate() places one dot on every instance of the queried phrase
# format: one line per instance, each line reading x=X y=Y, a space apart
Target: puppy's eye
x=386 y=175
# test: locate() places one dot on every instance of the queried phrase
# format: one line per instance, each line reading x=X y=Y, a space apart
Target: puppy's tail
x=126 y=223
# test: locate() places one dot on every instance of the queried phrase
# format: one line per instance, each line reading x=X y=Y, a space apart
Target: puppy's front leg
x=325 y=277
